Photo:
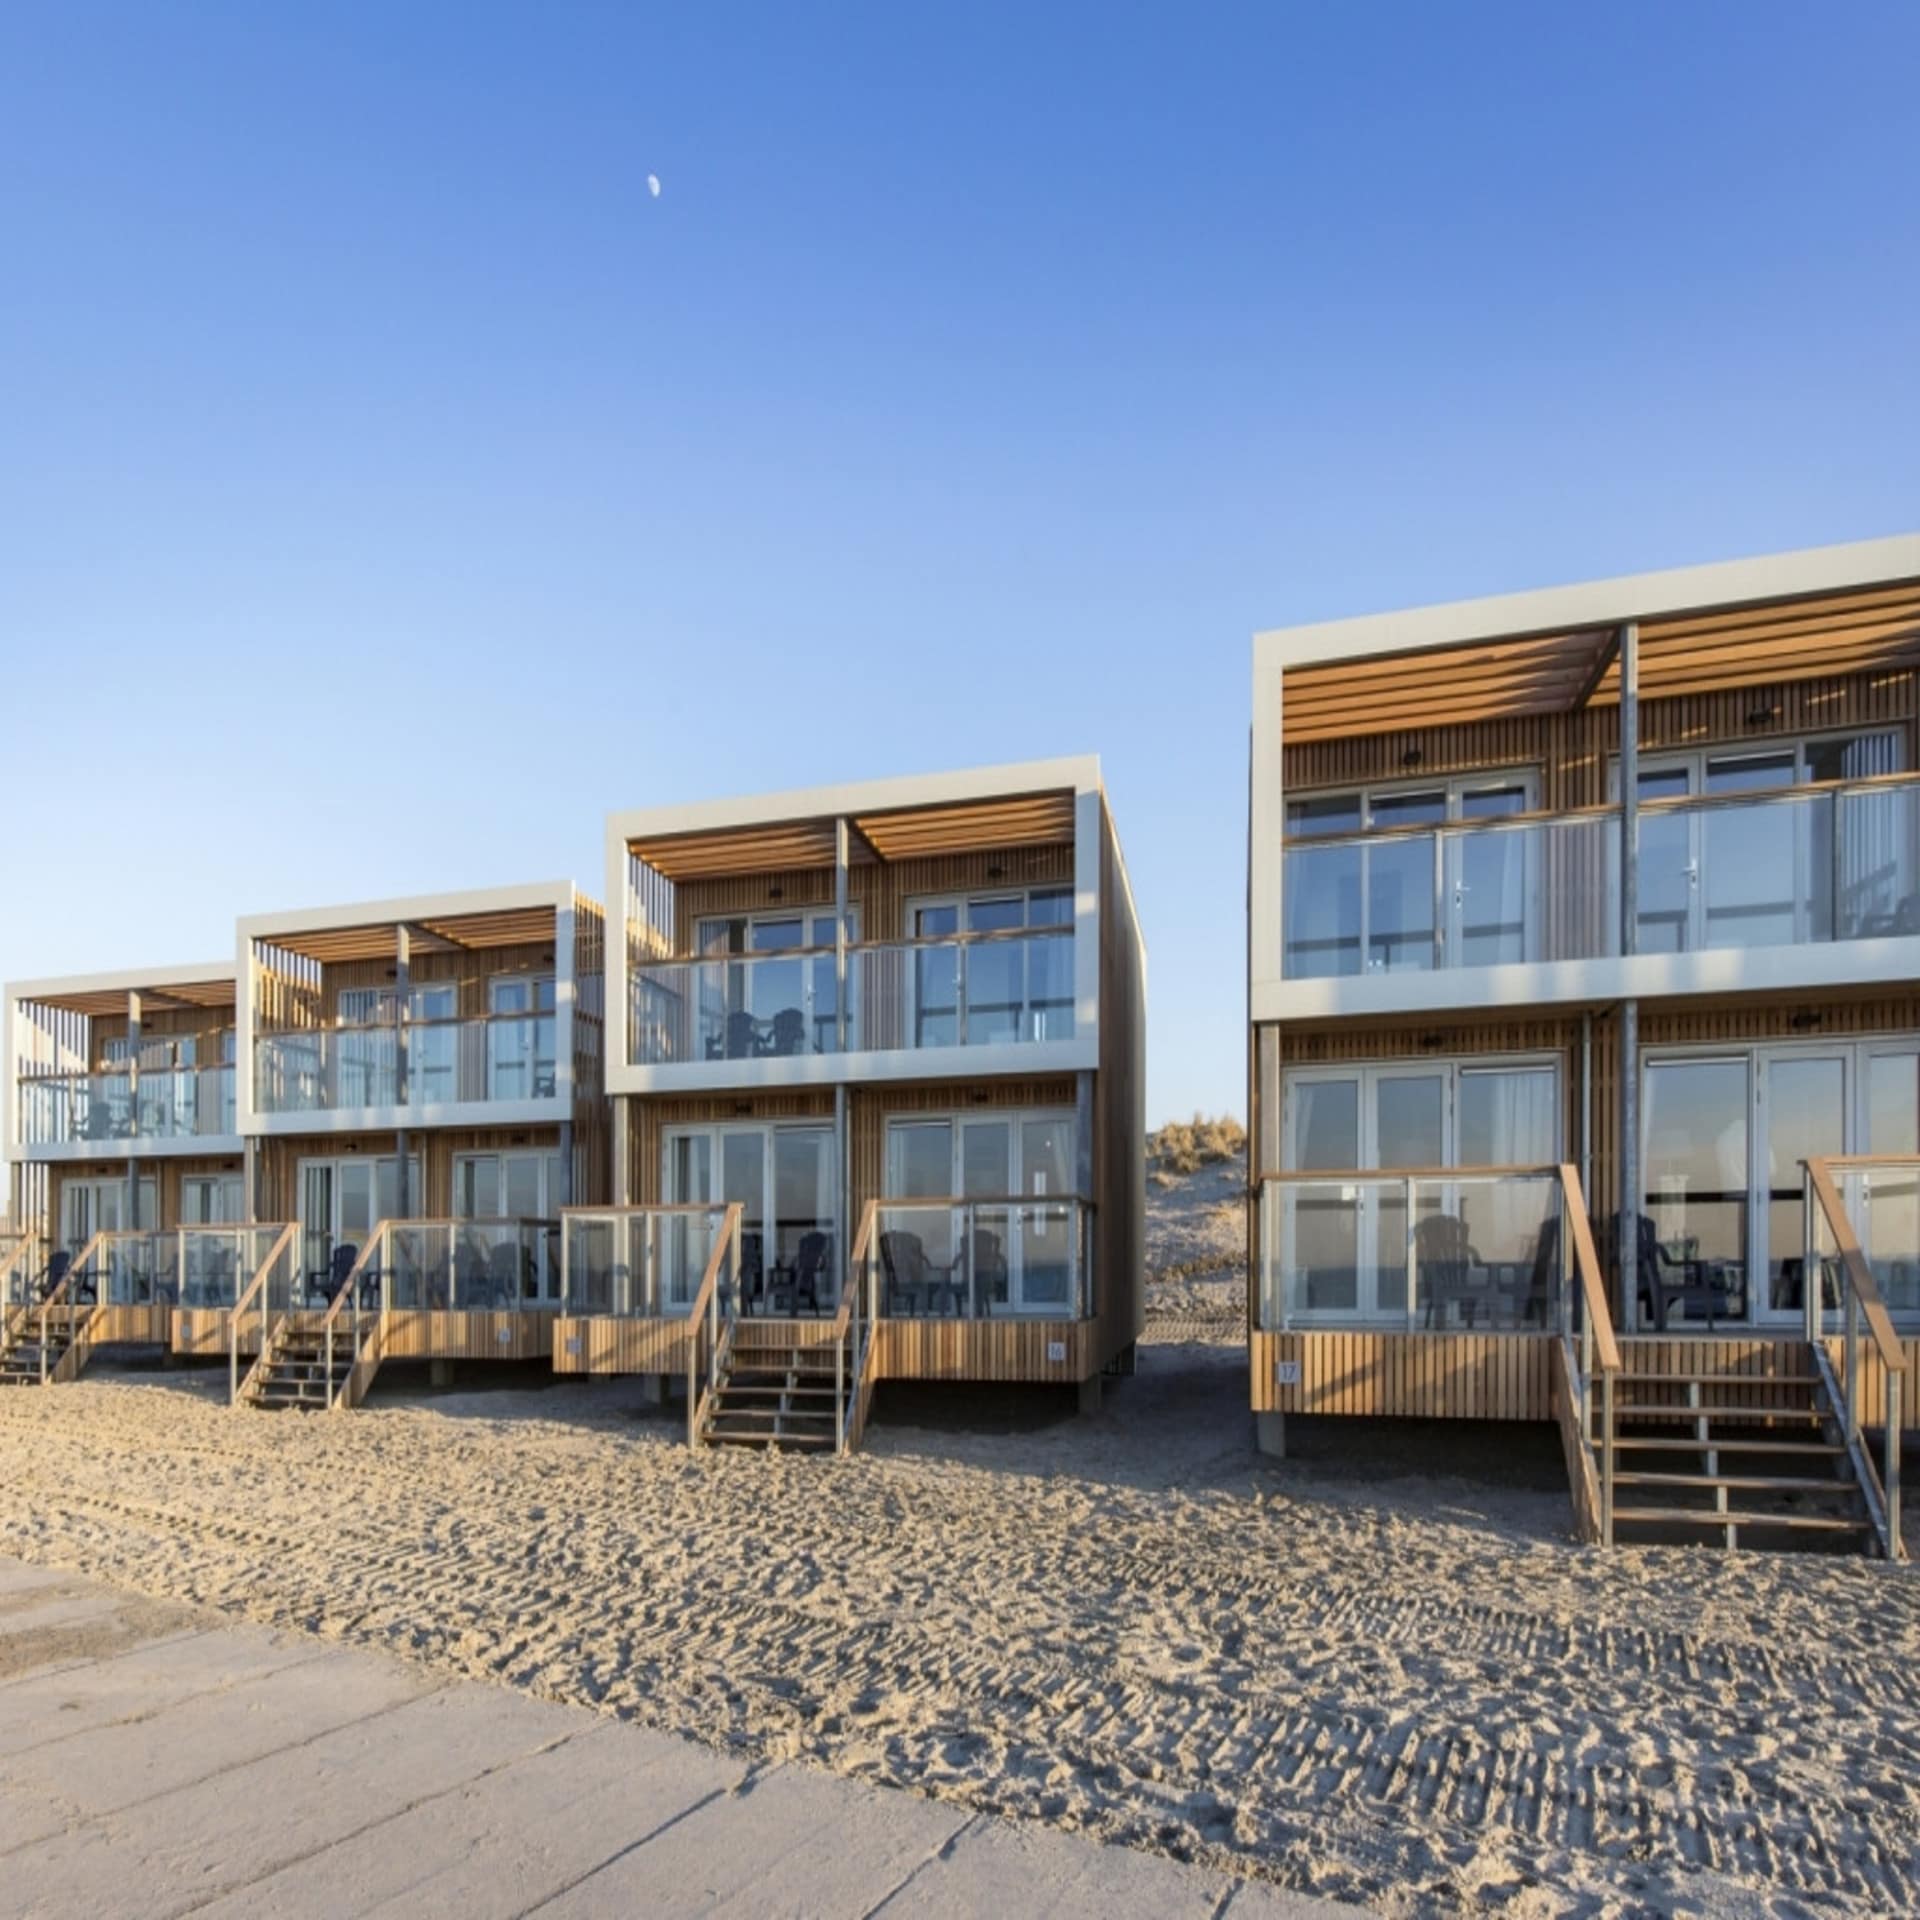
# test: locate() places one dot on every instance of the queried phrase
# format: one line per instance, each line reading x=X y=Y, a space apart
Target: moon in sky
x=653 y=185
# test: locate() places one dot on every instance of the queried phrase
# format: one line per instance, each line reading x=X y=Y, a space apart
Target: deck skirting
x=1506 y=1376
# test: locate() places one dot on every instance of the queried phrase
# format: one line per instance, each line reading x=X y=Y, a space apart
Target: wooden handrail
x=1586 y=1260
x=908 y=1201
x=618 y=1213
x=1853 y=1262
x=350 y=1286
x=266 y=1266
x=1870 y=1162
x=863 y=1239
x=1359 y=1176
x=729 y=1227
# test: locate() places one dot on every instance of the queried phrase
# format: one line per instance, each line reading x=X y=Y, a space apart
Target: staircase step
x=1719 y=1379
x=1726 y=1443
x=1707 y=1517
x=760 y=1437
x=1680 y=1415
x=1745 y=1482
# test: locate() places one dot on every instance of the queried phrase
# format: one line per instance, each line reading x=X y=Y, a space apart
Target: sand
x=1416 y=1692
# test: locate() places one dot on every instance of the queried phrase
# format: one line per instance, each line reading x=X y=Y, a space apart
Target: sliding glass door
x=785 y=1180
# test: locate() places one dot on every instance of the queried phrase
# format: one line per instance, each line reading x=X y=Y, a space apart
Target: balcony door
x=1379 y=898
x=1345 y=1245
x=520 y=1037
x=1723 y=1139
x=773 y=986
x=1024 y=1256
x=525 y=1185
x=1767 y=872
x=785 y=1179
x=88 y=1207
x=342 y=1200
x=368 y=1059
x=992 y=969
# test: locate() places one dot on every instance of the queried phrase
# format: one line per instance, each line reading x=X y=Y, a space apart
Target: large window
x=368 y=1058
x=1774 y=869
x=88 y=1207
x=776 y=989
x=520 y=1037
x=784 y=1178
x=991 y=969
x=1723 y=1136
x=1022 y=1257
x=1410 y=901
x=527 y=1185
x=1344 y=1245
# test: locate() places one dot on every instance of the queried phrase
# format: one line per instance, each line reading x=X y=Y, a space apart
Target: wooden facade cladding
x=203 y=1025
x=169 y=1173
x=525 y=1334
x=1509 y=1376
x=1572 y=751
x=278 y=1158
x=878 y=893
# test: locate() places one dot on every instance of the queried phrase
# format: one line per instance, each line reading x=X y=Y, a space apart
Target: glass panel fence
x=1001 y=989
x=489 y=1057
x=985 y=1259
x=1461 y=1251
x=1475 y=894
x=172 y=1103
x=195 y=1267
x=636 y=1262
x=1881 y=1200
x=467 y=1266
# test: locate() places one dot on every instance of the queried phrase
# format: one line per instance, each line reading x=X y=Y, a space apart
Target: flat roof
x=437 y=922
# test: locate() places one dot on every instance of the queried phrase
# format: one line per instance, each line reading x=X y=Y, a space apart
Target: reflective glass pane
x=1694 y=1126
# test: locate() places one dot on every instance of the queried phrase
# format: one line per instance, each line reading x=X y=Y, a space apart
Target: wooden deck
x=410 y=1335
x=1061 y=1352
x=1504 y=1376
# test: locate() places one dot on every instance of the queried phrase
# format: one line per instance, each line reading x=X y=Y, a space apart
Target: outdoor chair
x=992 y=1284
x=1535 y=1306
x=503 y=1274
x=1446 y=1259
x=1792 y=1291
x=324 y=1284
x=789 y=1033
x=1663 y=1280
x=796 y=1283
x=59 y=1262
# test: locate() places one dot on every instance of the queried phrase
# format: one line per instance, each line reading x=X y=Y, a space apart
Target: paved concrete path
x=156 y=1762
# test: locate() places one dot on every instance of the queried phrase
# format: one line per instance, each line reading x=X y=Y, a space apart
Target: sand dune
x=1417 y=1693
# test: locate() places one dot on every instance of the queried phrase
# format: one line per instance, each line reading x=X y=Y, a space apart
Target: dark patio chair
x=789 y=1033
x=903 y=1262
x=992 y=1283
x=503 y=1275
x=1446 y=1260
x=59 y=1264
x=800 y=1284
x=1663 y=1280
x=1535 y=1306
x=324 y=1284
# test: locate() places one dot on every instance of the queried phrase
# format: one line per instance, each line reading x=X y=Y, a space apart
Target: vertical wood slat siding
x=204 y=1024
x=280 y=1156
x=1120 y=1109
x=1572 y=750
x=168 y=1172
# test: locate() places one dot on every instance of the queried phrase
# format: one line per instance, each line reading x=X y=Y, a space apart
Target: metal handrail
x=1821 y=1199
x=256 y=1285
x=706 y=1303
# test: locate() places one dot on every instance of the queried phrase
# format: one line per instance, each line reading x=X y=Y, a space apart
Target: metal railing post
x=1606 y=1459
x=1853 y=1362
x=1809 y=1258
x=1413 y=1259
x=1890 y=1470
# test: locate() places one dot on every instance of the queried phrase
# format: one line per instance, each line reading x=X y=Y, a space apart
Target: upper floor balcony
x=457 y=1010
x=898 y=929
x=1439 y=814
x=113 y=1066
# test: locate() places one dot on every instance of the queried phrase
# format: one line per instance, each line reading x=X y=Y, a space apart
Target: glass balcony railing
x=495 y=1057
x=997 y=1258
x=1793 y=867
x=1470 y=1249
x=972 y=990
x=636 y=1263
x=172 y=1103
x=197 y=1267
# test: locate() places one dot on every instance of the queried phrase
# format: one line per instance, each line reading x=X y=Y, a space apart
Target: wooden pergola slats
x=1528 y=675
x=1022 y=820
x=334 y=946
x=111 y=1003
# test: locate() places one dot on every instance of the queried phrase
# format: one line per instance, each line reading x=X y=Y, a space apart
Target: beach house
x=123 y=1143
x=875 y=1054
x=419 y=1096
x=1584 y=1050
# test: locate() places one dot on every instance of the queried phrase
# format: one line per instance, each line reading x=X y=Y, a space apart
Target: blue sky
x=390 y=486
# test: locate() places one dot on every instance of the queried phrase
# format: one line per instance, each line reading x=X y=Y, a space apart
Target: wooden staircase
x=296 y=1370
x=28 y=1361
x=1736 y=1459
x=776 y=1396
